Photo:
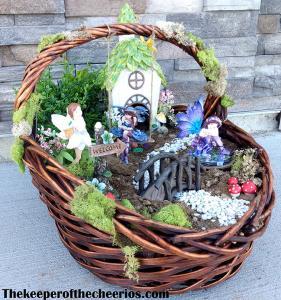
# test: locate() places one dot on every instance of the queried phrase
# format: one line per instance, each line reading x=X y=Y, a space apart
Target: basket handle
x=35 y=68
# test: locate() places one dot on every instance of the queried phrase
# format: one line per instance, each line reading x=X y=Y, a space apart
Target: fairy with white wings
x=73 y=128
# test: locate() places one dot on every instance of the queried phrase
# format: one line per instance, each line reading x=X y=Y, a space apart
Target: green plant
x=82 y=87
x=128 y=204
x=49 y=40
x=107 y=137
x=227 y=101
x=210 y=64
x=64 y=157
x=85 y=167
x=129 y=54
x=127 y=15
x=131 y=262
x=17 y=152
x=172 y=214
x=93 y=207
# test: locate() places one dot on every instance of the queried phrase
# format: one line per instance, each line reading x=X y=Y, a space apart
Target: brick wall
x=246 y=36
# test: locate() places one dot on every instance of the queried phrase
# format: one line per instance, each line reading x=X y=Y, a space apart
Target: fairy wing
x=61 y=122
x=190 y=122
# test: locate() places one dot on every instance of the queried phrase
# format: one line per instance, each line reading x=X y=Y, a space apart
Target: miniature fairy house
x=132 y=75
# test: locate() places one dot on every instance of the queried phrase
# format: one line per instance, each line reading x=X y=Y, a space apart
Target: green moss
x=94 y=208
x=129 y=54
x=49 y=40
x=17 y=152
x=131 y=262
x=172 y=214
x=85 y=167
x=28 y=110
x=227 y=101
x=127 y=203
x=146 y=213
x=210 y=64
x=198 y=42
x=127 y=15
x=237 y=164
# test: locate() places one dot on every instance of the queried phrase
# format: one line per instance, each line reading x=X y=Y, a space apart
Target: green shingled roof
x=132 y=54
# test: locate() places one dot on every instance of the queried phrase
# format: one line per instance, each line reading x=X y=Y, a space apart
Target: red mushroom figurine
x=234 y=190
x=249 y=188
x=232 y=180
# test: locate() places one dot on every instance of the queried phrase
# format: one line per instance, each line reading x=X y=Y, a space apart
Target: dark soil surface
x=213 y=181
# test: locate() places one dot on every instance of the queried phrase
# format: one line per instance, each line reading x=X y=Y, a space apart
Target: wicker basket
x=173 y=258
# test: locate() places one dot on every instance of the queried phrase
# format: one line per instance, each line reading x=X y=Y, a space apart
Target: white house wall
x=151 y=89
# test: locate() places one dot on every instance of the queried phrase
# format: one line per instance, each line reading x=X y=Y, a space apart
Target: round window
x=136 y=80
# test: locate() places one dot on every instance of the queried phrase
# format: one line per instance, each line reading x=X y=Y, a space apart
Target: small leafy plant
x=107 y=137
x=82 y=86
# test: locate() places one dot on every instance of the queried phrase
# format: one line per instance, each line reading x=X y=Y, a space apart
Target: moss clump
x=50 y=39
x=26 y=113
x=246 y=166
x=131 y=262
x=127 y=203
x=93 y=207
x=28 y=110
x=210 y=64
x=17 y=152
x=172 y=214
x=227 y=101
x=85 y=167
x=127 y=15
x=198 y=42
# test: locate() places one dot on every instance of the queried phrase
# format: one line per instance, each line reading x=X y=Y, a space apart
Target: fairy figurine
x=209 y=135
x=207 y=144
x=73 y=128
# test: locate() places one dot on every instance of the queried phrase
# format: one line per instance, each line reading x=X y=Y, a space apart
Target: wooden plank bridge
x=166 y=174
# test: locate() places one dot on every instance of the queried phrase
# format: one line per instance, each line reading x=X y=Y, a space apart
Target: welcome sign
x=107 y=149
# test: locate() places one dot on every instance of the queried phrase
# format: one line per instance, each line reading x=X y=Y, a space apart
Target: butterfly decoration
x=149 y=43
x=190 y=121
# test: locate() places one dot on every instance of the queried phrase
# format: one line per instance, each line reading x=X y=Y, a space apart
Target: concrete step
x=256 y=121
x=253 y=122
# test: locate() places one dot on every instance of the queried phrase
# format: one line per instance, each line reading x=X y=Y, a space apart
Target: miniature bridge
x=166 y=174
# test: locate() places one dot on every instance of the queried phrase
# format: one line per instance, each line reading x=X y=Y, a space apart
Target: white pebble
x=213 y=208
